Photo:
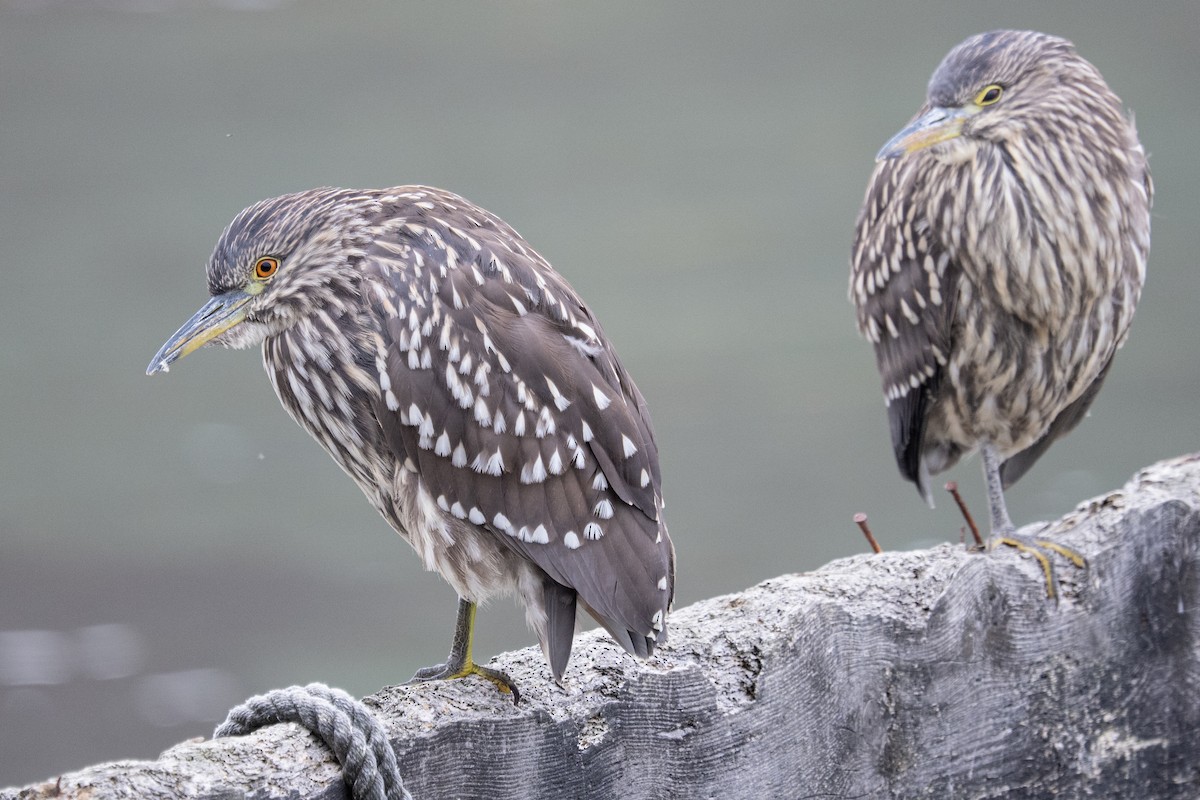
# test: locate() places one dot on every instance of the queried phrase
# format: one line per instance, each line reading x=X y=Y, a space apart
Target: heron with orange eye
x=266 y=267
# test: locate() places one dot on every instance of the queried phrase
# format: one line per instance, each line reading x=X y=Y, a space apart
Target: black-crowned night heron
x=998 y=258
x=468 y=391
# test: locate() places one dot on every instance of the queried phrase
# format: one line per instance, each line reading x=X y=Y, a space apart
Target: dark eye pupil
x=992 y=95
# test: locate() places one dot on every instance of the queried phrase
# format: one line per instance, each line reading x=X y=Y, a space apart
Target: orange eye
x=265 y=267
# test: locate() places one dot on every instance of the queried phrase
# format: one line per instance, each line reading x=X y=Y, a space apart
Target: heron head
x=277 y=261
x=998 y=86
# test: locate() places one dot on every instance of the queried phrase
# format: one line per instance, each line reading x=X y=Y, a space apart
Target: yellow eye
x=265 y=267
x=989 y=94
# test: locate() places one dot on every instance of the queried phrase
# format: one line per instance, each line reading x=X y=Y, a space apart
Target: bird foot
x=1038 y=549
x=464 y=669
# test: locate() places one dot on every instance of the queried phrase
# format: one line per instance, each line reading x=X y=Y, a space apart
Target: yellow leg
x=460 y=664
x=1037 y=548
x=1004 y=532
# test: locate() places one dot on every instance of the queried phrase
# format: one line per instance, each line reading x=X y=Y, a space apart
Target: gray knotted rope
x=345 y=725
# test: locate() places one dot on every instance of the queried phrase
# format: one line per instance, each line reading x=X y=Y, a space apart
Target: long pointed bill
x=935 y=125
x=217 y=316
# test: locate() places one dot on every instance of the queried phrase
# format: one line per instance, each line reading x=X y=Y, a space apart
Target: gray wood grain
x=935 y=673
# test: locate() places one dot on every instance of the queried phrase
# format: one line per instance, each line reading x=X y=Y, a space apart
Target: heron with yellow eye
x=998 y=257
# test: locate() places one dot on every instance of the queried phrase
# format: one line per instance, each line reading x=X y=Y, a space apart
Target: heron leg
x=1001 y=523
x=1003 y=531
x=459 y=663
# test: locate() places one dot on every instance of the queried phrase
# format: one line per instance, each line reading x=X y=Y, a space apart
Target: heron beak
x=938 y=124
x=217 y=316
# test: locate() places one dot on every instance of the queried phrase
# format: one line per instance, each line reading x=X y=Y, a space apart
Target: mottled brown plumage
x=468 y=391
x=999 y=255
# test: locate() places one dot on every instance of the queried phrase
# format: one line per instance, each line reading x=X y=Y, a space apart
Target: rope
x=345 y=725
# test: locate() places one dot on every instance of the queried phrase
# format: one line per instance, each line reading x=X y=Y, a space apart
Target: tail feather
x=560 y=625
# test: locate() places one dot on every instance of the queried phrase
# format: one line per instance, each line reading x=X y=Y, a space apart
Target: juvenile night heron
x=467 y=390
x=998 y=258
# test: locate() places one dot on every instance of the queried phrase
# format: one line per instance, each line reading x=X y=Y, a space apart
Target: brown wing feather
x=903 y=285
x=512 y=405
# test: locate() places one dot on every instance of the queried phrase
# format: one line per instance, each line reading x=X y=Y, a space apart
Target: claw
x=460 y=664
x=445 y=672
x=1065 y=552
x=1037 y=548
x=1003 y=531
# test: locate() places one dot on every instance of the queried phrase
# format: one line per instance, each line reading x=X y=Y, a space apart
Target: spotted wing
x=502 y=390
x=903 y=285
